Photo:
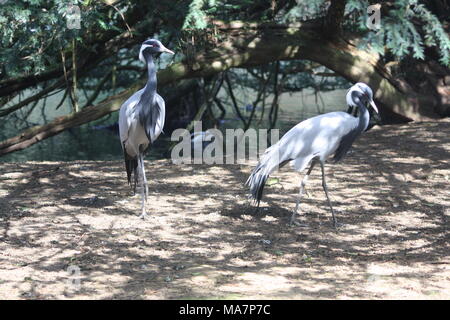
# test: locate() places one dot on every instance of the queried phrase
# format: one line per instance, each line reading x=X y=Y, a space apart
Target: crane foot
x=337 y=225
x=307 y=193
x=143 y=216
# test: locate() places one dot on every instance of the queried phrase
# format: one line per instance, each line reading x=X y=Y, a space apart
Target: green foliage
x=196 y=17
x=306 y=10
x=435 y=34
x=407 y=28
x=34 y=32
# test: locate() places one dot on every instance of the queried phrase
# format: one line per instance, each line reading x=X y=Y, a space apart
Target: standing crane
x=141 y=119
x=313 y=141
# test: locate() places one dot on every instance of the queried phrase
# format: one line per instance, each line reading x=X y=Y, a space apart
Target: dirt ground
x=70 y=230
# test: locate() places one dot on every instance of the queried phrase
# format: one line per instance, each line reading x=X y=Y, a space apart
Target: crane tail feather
x=256 y=182
x=131 y=165
x=268 y=163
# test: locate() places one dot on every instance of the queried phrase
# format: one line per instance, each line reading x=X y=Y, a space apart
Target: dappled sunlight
x=203 y=239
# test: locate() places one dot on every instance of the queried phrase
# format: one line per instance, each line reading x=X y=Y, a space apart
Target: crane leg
x=300 y=194
x=135 y=179
x=144 y=176
x=143 y=185
x=325 y=188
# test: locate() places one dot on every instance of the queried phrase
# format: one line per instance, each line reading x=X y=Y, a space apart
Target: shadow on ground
x=204 y=240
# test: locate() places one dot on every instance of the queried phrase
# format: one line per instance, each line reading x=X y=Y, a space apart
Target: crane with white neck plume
x=141 y=120
x=313 y=141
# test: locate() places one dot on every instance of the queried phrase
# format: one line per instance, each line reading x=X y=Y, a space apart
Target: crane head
x=361 y=92
x=153 y=47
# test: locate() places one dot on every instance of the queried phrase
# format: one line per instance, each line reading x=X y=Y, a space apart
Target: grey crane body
x=141 y=120
x=314 y=140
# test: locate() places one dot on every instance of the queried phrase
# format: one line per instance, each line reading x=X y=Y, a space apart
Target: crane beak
x=374 y=106
x=164 y=49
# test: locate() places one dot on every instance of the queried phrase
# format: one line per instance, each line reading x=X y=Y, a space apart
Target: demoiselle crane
x=141 y=119
x=313 y=141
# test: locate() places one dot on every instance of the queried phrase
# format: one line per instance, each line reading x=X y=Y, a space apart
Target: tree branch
x=33 y=98
x=233 y=100
x=100 y=50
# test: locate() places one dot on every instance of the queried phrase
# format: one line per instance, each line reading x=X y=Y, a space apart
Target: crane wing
x=162 y=115
x=319 y=136
x=315 y=137
x=126 y=115
x=152 y=116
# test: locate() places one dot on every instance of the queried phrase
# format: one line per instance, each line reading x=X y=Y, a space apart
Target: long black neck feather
x=147 y=107
x=150 y=88
x=349 y=138
x=151 y=70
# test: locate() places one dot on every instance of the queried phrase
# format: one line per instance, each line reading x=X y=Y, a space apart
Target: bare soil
x=204 y=240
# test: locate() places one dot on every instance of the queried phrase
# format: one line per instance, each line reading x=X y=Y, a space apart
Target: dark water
x=82 y=143
x=75 y=144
